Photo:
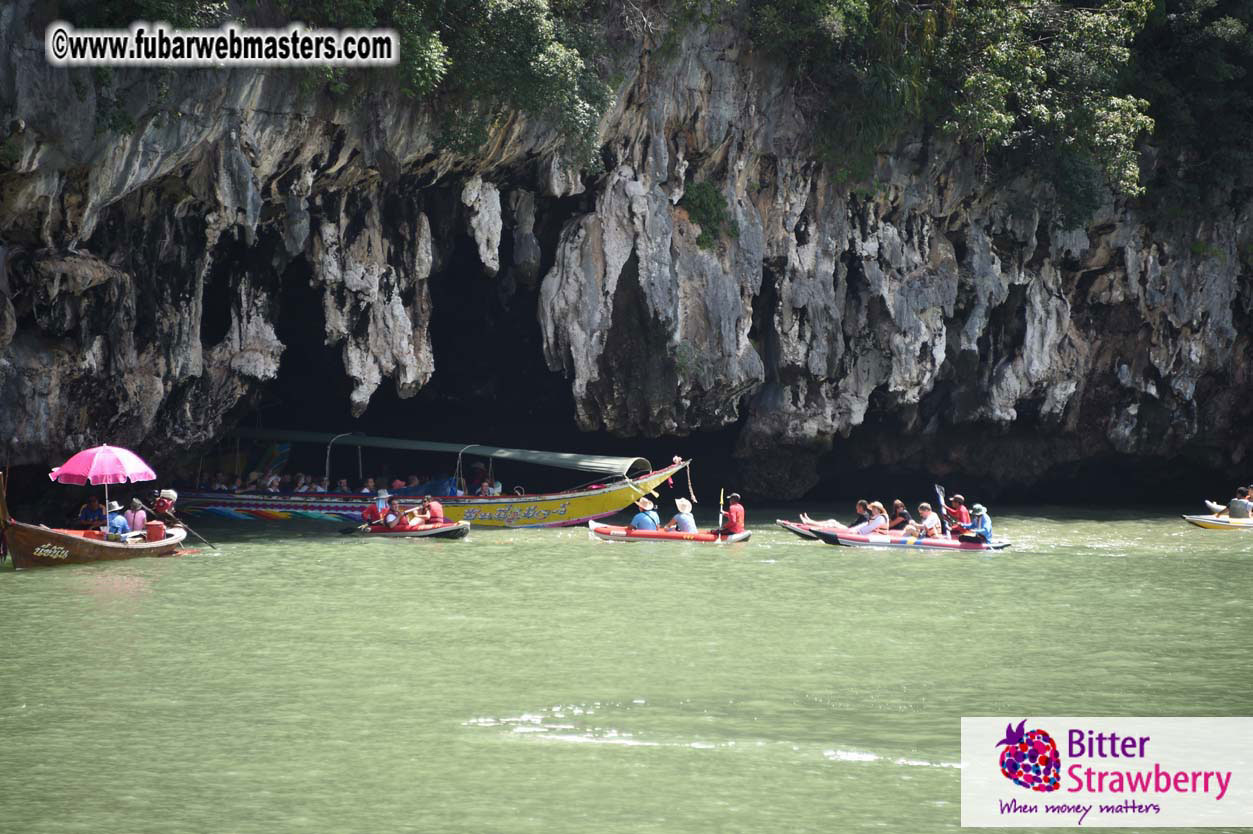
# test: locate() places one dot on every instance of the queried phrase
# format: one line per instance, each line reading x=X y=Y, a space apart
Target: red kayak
x=843 y=537
x=610 y=533
x=440 y=530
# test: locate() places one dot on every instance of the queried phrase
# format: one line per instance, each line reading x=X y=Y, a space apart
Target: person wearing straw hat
x=980 y=530
x=117 y=521
x=646 y=518
x=683 y=520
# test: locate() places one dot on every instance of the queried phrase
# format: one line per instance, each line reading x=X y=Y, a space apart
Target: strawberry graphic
x=1030 y=759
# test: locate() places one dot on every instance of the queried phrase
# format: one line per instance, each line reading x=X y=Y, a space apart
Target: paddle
x=346 y=530
x=943 y=509
x=178 y=520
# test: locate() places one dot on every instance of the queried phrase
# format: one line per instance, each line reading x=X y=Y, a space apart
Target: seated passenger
x=393 y=517
x=304 y=484
x=734 y=517
x=980 y=530
x=136 y=518
x=1239 y=506
x=958 y=515
x=431 y=512
x=877 y=523
x=322 y=485
x=683 y=521
x=928 y=522
x=900 y=516
x=341 y=486
x=91 y=514
x=117 y=521
x=646 y=518
x=375 y=510
x=368 y=487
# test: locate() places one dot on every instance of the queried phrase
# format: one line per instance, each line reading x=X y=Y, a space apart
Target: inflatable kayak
x=797 y=527
x=843 y=537
x=442 y=530
x=1219 y=522
x=610 y=533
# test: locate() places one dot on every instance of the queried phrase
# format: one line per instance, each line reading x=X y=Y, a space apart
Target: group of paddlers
x=968 y=524
x=684 y=522
x=386 y=512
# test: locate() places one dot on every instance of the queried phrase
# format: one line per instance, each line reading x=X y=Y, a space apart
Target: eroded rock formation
x=932 y=316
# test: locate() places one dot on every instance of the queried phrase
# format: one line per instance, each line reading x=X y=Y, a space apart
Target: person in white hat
x=117 y=521
x=682 y=521
x=646 y=518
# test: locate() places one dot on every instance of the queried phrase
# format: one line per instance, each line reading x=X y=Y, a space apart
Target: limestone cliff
x=932 y=314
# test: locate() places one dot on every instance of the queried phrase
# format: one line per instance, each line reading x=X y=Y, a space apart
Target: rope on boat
x=691 y=493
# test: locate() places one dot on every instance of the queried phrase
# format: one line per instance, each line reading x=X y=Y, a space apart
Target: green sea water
x=539 y=681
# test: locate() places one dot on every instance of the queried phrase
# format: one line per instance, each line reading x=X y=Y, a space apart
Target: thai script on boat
x=513 y=514
x=52 y=551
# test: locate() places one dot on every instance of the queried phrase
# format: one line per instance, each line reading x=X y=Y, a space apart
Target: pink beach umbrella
x=103 y=465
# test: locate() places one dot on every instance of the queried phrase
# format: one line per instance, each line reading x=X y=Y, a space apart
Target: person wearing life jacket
x=646 y=518
x=734 y=515
x=393 y=517
x=432 y=511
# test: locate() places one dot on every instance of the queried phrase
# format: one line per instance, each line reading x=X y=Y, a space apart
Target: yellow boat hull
x=556 y=509
x=1211 y=522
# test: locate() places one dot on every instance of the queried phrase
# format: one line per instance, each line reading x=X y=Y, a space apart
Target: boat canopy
x=600 y=464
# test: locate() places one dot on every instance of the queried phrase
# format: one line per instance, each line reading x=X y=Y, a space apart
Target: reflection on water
x=298 y=680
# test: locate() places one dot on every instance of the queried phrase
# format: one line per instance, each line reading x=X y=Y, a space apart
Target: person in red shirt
x=958 y=515
x=374 y=510
x=734 y=516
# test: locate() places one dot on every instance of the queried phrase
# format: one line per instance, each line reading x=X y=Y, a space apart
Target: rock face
x=933 y=317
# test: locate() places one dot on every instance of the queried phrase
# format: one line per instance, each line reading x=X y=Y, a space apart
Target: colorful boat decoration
x=626 y=479
x=612 y=533
x=33 y=545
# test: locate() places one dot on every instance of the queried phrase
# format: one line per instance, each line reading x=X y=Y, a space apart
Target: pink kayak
x=610 y=533
x=843 y=537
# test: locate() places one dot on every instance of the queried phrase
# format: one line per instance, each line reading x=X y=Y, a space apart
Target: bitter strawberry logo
x=1030 y=758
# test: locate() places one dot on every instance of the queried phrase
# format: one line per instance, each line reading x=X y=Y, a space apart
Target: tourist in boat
x=322 y=485
x=341 y=487
x=136 y=518
x=646 y=518
x=393 y=517
x=733 y=516
x=877 y=523
x=117 y=520
x=374 y=511
x=958 y=514
x=900 y=516
x=861 y=517
x=368 y=487
x=980 y=529
x=1239 y=506
x=478 y=474
x=431 y=511
x=683 y=520
x=91 y=514
x=928 y=522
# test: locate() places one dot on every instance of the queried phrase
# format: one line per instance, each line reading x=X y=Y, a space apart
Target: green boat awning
x=600 y=464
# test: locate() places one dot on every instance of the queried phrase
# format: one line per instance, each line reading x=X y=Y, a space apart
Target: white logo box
x=1114 y=773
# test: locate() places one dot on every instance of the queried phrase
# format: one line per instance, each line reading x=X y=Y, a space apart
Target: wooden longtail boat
x=626 y=479
x=32 y=545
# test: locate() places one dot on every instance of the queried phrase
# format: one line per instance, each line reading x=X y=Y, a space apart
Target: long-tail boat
x=623 y=480
x=31 y=545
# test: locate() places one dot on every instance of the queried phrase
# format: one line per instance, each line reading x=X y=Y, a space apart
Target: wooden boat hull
x=843 y=537
x=31 y=546
x=613 y=533
x=558 y=509
x=1222 y=522
x=798 y=528
x=447 y=530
